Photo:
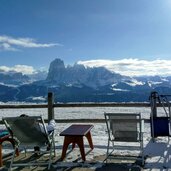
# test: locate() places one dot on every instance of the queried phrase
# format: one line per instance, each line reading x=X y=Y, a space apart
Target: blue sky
x=35 y=32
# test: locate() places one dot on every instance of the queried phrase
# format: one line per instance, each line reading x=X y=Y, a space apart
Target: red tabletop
x=76 y=130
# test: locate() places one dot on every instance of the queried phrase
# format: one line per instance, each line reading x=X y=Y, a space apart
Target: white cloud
x=7 y=47
x=12 y=44
x=19 y=68
x=133 y=67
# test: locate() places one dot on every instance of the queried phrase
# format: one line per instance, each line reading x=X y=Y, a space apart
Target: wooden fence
x=51 y=105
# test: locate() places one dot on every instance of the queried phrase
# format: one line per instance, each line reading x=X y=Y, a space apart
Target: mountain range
x=79 y=83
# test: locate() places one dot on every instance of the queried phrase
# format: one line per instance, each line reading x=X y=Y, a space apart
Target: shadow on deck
x=96 y=164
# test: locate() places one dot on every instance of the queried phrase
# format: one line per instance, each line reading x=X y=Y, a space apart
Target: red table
x=74 y=134
x=11 y=140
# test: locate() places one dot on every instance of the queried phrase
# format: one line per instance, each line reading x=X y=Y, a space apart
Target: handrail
x=22 y=106
x=63 y=105
x=102 y=104
x=51 y=105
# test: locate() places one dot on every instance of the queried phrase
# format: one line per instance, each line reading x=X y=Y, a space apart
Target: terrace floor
x=158 y=157
x=94 y=165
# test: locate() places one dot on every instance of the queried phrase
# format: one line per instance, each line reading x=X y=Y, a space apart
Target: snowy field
x=158 y=153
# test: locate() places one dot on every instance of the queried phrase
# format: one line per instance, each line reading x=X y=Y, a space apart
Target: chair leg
x=50 y=157
x=141 y=148
x=142 y=153
x=53 y=142
x=12 y=159
x=107 y=153
x=25 y=151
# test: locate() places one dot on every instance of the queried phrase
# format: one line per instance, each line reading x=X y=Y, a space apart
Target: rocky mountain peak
x=56 y=70
x=78 y=74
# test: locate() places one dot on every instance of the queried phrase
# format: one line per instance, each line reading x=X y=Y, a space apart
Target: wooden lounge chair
x=125 y=132
x=30 y=132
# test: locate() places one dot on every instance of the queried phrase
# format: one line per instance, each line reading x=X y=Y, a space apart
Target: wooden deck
x=72 y=162
x=95 y=165
x=26 y=159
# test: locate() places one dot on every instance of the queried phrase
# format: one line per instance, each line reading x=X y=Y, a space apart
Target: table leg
x=80 y=143
x=67 y=141
x=89 y=138
x=1 y=163
x=74 y=140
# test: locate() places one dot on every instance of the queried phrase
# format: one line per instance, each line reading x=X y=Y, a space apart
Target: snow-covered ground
x=158 y=153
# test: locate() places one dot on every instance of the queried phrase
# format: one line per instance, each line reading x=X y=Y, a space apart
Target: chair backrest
x=28 y=130
x=123 y=126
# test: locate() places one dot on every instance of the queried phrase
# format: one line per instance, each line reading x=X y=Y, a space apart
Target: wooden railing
x=51 y=105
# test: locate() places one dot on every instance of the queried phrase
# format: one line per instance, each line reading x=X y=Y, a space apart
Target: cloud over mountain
x=133 y=67
x=24 y=69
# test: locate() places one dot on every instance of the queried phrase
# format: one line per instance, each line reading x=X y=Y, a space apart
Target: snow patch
x=134 y=83
x=118 y=89
x=39 y=98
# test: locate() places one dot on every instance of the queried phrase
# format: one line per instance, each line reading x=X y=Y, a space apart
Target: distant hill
x=78 y=83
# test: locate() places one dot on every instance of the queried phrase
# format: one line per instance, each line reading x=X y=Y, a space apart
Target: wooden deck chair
x=125 y=131
x=30 y=132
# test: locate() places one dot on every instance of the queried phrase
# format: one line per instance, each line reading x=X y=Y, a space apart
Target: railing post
x=50 y=106
x=154 y=97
